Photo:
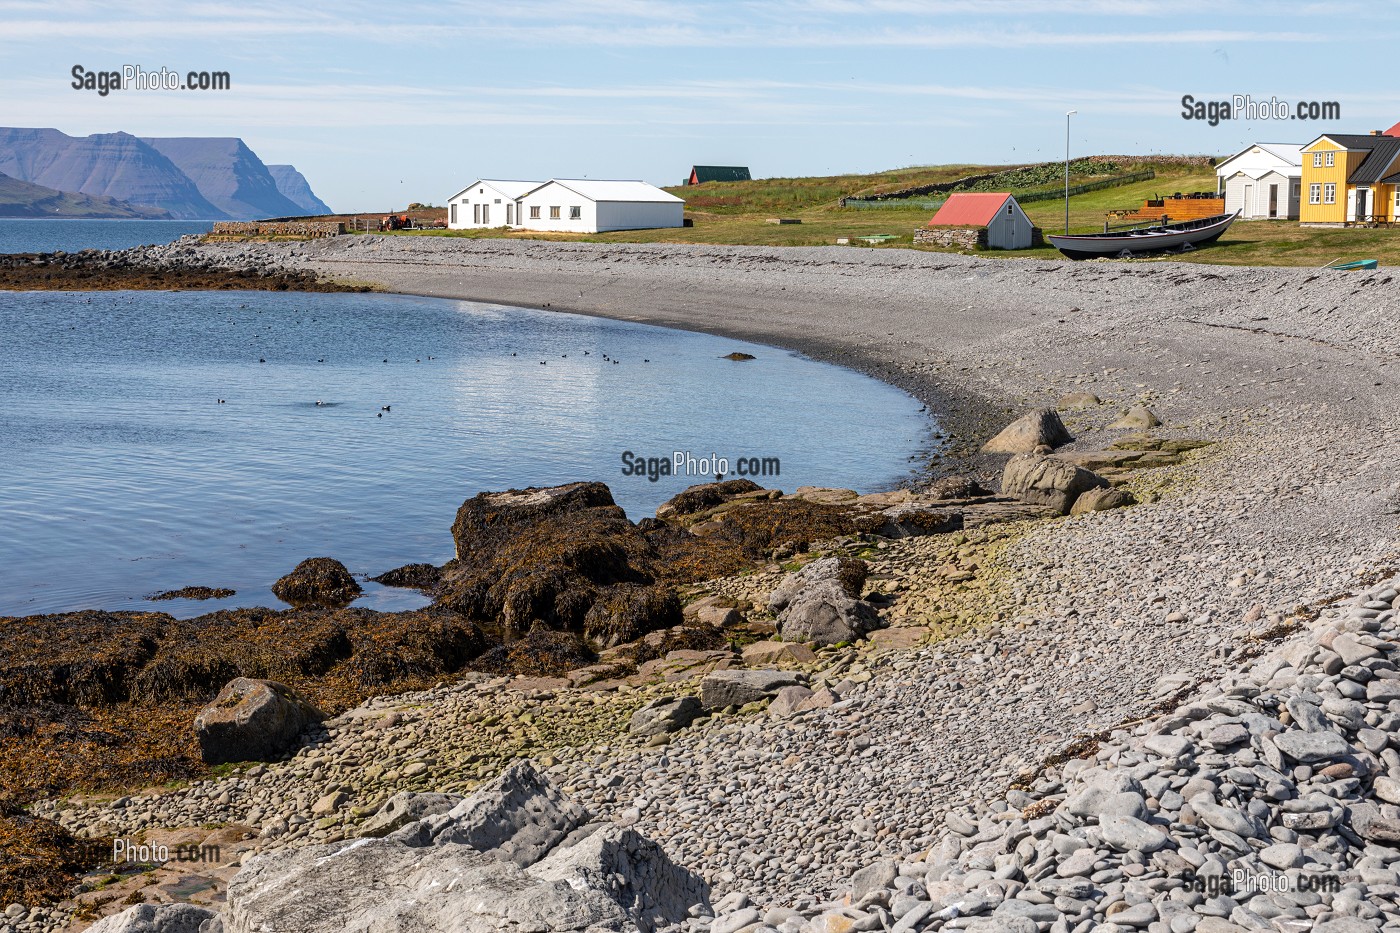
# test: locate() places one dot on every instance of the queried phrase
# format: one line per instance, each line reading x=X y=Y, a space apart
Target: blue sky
x=380 y=104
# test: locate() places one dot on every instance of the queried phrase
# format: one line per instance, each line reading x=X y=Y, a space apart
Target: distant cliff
x=26 y=199
x=294 y=186
x=229 y=176
x=110 y=165
x=185 y=178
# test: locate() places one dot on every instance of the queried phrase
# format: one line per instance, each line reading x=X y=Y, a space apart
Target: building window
x=534 y=212
x=1317 y=160
x=554 y=213
x=575 y=213
x=1297 y=187
x=1331 y=158
x=1329 y=193
x=452 y=209
x=1314 y=194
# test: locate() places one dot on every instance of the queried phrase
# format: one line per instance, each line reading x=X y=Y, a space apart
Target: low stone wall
x=298 y=228
x=965 y=237
x=952 y=237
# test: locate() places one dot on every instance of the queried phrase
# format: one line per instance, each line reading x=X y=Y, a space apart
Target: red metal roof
x=962 y=210
x=1393 y=131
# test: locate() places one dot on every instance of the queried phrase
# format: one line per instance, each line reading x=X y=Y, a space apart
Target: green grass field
x=738 y=213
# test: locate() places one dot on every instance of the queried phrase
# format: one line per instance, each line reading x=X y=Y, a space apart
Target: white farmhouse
x=1263 y=182
x=487 y=202
x=574 y=205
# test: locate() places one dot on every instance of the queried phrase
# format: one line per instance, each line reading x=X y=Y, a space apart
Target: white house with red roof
x=1007 y=225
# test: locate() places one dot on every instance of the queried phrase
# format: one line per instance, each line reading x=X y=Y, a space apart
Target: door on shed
x=1273 y=201
x=1249 y=210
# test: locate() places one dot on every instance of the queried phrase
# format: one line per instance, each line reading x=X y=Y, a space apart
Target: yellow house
x=1351 y=179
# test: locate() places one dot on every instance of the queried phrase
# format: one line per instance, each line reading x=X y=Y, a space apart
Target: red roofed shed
x=1007 y=225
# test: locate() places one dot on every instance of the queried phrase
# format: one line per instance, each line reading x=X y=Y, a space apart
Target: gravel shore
x=1096 y=619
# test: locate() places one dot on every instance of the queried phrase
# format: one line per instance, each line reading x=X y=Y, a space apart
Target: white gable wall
x=483 y=206
x=1010 y=228
x=1250 y=195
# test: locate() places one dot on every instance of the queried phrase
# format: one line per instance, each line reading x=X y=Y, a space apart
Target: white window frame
x=1317 y=160
x=1331 y=158
x=1315 y=194
x=575 y=212
x=1329 y=193
x=534 y=212
x=553 y=212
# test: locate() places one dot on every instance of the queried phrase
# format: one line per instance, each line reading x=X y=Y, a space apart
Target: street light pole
x=1068 y=114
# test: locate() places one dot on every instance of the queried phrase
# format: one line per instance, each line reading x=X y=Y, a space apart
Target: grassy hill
x=24 y=199
x=738 y=213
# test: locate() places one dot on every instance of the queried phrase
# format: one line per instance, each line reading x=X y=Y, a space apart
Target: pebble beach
x=1067 y=717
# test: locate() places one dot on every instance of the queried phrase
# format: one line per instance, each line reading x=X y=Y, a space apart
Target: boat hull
x=1172 y=236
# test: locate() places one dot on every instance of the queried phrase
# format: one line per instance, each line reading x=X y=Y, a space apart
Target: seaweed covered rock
x=704 y=496
x=626 y=611
x=488 y=516
x=318 y=581
x=541 y=555
x=252 y=720
x=410 y=576
x=542 y=652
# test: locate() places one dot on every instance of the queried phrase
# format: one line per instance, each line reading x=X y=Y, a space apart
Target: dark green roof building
x=703 y=173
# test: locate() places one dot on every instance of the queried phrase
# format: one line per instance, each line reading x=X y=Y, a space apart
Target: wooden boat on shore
x=1152 y=238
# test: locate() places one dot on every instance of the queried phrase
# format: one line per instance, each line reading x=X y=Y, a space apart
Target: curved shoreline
x=1294 y=370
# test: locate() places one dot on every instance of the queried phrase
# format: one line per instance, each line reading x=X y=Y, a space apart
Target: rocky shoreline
x=1017 y=648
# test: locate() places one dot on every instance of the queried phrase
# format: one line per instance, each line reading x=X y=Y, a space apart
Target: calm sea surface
x=122 y=474
x=46 y=236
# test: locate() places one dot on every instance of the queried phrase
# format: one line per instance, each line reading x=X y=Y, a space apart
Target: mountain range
x=185 y=178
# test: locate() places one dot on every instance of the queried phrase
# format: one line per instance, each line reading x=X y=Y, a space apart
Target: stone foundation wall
x=298 y=228
x=952 y=237
x=965 y=237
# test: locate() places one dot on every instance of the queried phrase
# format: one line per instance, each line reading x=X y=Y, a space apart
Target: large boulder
x=739 y=687
x=162 y=918
x=1137 y=418
x=1101 y=500
x=1031 y=430
x=318 y=582
x=848 y=573
x=252 y=720
x=488 y=514
x=665 y=714
x=407 y=807
x=1042 y=480
x=821 y=603
x=516 y=856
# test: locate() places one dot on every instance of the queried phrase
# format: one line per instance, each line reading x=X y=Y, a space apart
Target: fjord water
x=42 y=235
x=372 y=419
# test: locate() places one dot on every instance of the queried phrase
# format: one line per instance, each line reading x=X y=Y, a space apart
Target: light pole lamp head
x=1070 y=113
